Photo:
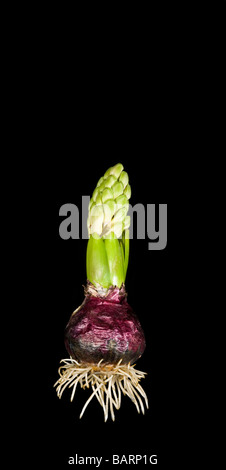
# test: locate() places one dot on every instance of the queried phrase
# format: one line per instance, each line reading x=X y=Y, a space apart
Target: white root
x=107 y=382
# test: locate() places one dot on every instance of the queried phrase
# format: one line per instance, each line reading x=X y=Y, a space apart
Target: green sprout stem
x=108 y=226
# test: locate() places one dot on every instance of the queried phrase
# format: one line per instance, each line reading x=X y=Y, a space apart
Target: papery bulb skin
x=104 y=327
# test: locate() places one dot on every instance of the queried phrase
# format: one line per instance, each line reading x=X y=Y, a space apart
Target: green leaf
x=97 y=267
x=115 y=260
x=126 y=251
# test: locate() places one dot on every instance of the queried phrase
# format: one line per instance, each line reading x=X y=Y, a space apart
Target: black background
x=86 y=119
x=77 y=104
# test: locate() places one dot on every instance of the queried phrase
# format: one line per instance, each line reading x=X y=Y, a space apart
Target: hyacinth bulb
x=104 y=327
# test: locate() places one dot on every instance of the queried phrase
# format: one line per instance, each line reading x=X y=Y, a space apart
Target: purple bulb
x=104 y=327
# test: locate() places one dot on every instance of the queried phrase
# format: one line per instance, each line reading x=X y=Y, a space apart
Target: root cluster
x=107 y=382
